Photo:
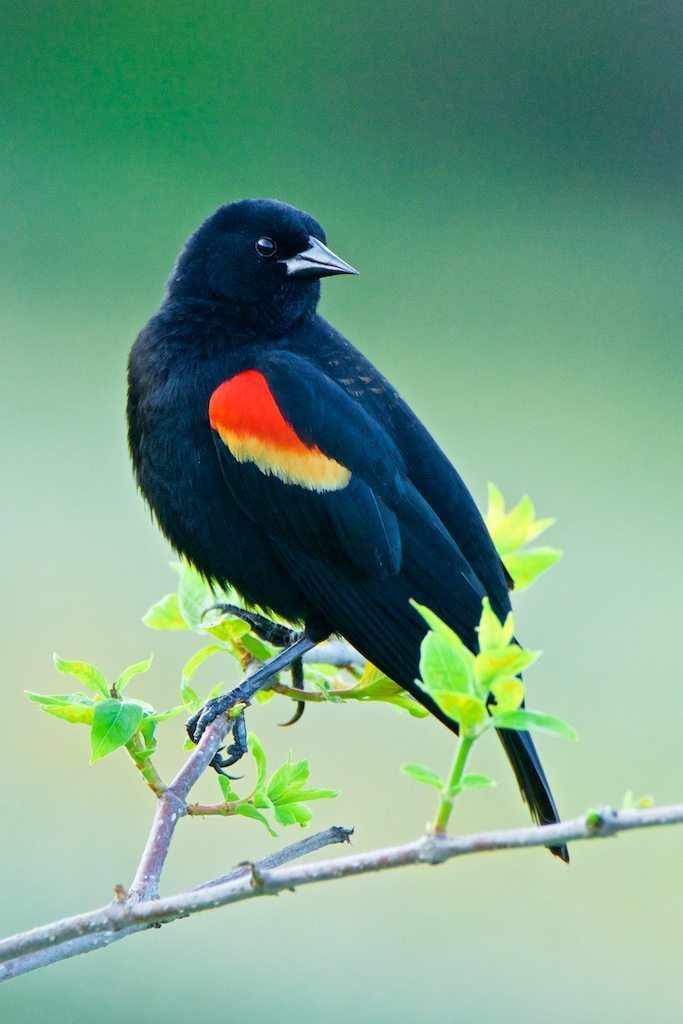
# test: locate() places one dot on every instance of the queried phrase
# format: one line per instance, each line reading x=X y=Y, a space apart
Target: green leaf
x=247 y=811
x=505 y=663
x=256 y=647
x=293 y=814
x=440 y=627
x=469 y=711
x=198 y=658
x=71 y=707
x=476 y=782
x=226 y=789
x=496 y=507
x=195 y=595
x=161 y=716
x=114 y=722
x=147 y=730
x=189 y=697
x=512 y=531
x=165 y=614
x=228 y=629
x=84 y=673
x=258 y=753
x=524 y=719
x=375 y=686
x=132 y=671
x=490 y=629
x=508 y=694
x=289 y=776
x=421 y=773
x=296 y=794
x=263 y=696
x=443 y=668
x=527 y=566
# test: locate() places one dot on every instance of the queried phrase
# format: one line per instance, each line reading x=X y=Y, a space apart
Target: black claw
x=235 y=751
x=300 y=708
x=298 y=683
x=218 y=764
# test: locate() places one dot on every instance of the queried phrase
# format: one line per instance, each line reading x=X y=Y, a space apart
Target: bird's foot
x=234 y=752
x=240 y=698
x=196 y=725
x=274 y=633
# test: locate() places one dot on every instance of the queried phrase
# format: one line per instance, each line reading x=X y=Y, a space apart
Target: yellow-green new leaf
x=165 y=614
x=508 y=694
x=497 y=665
x=463 y=708
x=527 y=566
x=490 y=629
x=133 y=670
x=84 y=673
x=71 y=707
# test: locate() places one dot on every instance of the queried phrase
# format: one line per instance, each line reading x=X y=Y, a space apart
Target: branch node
x=179 y=805
x=256 y=878
x=433 y=849
x=120 y=893
x=603 y=822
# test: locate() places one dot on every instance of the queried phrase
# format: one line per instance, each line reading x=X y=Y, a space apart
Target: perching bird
x=278 y=460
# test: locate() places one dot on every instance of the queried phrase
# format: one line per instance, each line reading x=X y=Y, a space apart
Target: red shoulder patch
x=244 y=413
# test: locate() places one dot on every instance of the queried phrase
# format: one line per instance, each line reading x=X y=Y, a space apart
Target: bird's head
x=261 y=260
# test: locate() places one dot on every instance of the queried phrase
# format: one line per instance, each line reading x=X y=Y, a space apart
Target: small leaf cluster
x=512 y=531
x=284 y=794
x=112 y=718
x=482 y=690
x=478 y=691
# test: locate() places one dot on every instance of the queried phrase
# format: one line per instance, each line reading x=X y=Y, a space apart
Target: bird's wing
x=426 y=465
x=323 y=479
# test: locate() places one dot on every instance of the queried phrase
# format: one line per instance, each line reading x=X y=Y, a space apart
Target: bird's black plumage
x=276 y=458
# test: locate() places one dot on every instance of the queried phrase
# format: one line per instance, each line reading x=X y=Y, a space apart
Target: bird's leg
x=273 y=633
x=244 y=693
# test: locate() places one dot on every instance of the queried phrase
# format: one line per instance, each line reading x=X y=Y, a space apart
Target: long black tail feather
x=529 y=773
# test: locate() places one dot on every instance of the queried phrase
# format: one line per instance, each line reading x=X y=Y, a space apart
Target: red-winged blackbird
x=277 y=459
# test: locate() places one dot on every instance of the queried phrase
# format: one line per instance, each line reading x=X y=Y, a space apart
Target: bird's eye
x=266 y=247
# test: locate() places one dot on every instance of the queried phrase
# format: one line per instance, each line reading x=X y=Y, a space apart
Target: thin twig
x=171 y=807
x=335 y=834
x=26 y=952
x=337 y=653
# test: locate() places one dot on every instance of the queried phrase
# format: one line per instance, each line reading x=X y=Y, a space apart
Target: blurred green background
x=506 y=176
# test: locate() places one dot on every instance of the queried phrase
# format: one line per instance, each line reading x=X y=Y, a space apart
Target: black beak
x=316 y=261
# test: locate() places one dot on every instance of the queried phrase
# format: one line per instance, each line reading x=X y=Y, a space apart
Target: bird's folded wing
x=307 y=464
x=327 y=485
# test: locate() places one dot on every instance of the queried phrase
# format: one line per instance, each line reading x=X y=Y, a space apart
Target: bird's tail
x=529 y=773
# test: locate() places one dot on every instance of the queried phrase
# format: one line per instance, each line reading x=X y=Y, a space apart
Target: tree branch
x=71 y=936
